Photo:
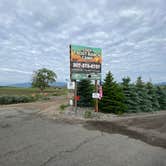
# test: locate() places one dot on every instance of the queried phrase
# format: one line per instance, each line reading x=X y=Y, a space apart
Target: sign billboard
x=85 y=62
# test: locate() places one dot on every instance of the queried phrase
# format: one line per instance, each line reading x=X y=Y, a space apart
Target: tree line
x=125 y=96
x=117 y=97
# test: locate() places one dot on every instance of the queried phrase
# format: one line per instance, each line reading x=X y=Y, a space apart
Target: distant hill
x=28 y=84
x=59 y=84
x=161 y=83
x=21 y=85
x=56 y=84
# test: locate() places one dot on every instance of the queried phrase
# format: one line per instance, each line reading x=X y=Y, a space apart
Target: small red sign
x=77 y=98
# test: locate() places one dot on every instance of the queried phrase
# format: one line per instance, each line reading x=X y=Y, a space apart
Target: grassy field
x=30 y=91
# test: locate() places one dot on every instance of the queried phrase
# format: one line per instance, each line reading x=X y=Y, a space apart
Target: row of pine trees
x=124 y=97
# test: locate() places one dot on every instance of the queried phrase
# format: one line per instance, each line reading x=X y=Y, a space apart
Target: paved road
x=29 y=140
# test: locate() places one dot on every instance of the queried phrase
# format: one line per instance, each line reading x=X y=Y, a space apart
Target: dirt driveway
x=150 y=129
x=29 y=139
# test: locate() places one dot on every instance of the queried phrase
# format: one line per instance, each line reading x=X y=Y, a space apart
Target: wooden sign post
x=96 y=100
x=75 y=96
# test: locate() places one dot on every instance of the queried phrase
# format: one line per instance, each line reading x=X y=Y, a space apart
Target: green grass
x=16 y=99
x=29 y=91
x=12 y=95
x=88 y=114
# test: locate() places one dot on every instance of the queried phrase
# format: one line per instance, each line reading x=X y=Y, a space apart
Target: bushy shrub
x=88 y=114
x=54 y=94
x=16 y=99
x=85 y=90
x=63 y=106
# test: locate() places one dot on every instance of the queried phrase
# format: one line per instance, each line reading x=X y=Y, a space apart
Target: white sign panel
x=71 y=102
x=70 y=85
x=95 y=95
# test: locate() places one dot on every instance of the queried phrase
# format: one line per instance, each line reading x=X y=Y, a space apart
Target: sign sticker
x=95 y=95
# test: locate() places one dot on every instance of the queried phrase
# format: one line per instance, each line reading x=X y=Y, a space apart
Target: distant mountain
x=59 y=84
x=56 y=84
x=28 y=84
x=161 y=83
x=21 y=85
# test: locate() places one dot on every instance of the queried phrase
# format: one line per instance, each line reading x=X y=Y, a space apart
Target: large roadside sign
x=85 y=62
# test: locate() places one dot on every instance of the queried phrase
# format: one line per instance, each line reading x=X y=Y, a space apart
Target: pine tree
x=113 y=97
x=151 y=90
x=144 y=99
x=85 y=90
x=131 y=96
x=161 y=95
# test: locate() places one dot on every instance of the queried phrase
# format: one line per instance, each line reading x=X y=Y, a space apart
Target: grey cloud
x=35 y=34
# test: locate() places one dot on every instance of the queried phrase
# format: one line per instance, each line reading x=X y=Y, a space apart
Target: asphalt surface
x=27 y=139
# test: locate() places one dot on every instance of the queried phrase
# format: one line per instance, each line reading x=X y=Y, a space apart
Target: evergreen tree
x=161 y=95
x=85 y=90
x=131 y=96
x=151 y=90
x=144 y=99
x=113 y=97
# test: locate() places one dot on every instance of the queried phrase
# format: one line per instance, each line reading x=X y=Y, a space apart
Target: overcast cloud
x=37 y=33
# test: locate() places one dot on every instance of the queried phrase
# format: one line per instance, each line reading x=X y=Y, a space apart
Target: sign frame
x=85 y=62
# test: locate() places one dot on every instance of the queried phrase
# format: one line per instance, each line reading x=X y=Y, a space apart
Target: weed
x=88 y=114
x=63 y=106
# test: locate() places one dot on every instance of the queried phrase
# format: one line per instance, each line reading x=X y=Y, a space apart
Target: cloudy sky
x=37 y=33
